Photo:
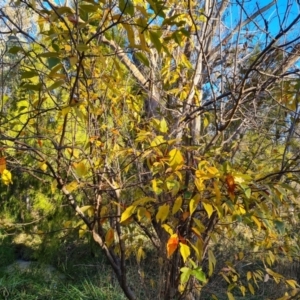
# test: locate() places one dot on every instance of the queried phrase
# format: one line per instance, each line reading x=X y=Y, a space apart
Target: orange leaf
x=2 y=164
x=172 y=244
x=40 y=142
x=230 y=184
x=185 y=215
x=109 y=237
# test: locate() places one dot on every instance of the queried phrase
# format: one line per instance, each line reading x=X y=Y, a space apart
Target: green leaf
x=246 y=189
x=171 y=20
x=48 y=54
x=126 y=7
x=33 y=87
x=173 y=186
x=90 y=8
x=82 y=47
x=52 y=62
x=211 y=262
x=280 y=226
x=15 y=50
x=199 y=274
x=64 y=10
x=155 y=39
x=28 y=74
x=185 y=274
x=158 y=7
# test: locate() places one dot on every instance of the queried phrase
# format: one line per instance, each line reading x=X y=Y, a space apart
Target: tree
x=173 y=122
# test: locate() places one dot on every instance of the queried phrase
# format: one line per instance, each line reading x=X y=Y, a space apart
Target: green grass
x=79 y=277
x=33 y=284
x=80 y=274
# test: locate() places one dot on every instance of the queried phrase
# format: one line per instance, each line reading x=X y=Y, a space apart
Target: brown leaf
x=2 y=164
x=230 y=184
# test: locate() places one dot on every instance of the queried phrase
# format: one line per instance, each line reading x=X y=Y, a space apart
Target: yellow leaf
x=72 y=186
x=230 y=296
x=243 y=290
x=6 y=177
x=172 y=244
x=163 y=126
x=157 y=141
x=211 y=262
x=184 y=251
x=198 y=248
x=249 y=275
x=73 y=60
x=251 y=288
x=155 y=186
x=257 y=222
x=109 y=237
x=162 y=213
x=141 y=213
x=127 y=213
x=65 y=111
x=274 y=274
x=217 y=192
x=81 y=169
x=240 y=209
x=213 y=171
x=209 y=208
x=292 y=283
x=68 y=48
x=181 y=288
x=175 y=159
x=82 y=231
x=43 y=166
x=140 y=254
x=168 y=229
x=194 y=203
x=199 y=184
x=53 y=186
x=67 y=224
x=130 y=34
x=177 y=205
x=199 y=224
x=88 y=209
